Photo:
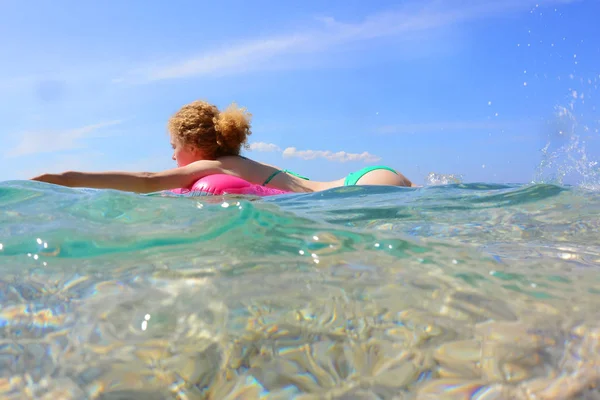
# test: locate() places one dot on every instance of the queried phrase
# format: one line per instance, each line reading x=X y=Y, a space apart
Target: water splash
x=570 y=160
x=433 y=179
x=556 y=60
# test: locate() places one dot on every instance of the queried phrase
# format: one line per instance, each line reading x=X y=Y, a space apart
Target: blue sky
x=474 y=88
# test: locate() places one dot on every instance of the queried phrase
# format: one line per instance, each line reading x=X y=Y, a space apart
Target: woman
x=207 y=141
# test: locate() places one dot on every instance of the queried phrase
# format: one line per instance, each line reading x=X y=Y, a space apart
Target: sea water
x=448 y=291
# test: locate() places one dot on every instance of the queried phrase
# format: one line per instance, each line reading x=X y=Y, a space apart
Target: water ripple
x=463 y=290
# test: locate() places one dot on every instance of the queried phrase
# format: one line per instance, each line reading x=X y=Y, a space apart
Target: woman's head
x=199 y=131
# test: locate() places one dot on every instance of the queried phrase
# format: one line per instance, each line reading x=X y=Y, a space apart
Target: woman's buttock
x=377 y=175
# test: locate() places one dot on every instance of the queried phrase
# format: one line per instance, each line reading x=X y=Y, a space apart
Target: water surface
x=454 y=291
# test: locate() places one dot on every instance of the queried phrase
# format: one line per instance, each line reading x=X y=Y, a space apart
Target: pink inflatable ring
x=220 y=184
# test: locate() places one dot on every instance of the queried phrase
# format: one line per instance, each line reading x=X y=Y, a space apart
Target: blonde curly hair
x=215 y=133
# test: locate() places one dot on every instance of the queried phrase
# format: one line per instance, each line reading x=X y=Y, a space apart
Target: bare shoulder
x=229 y=162
x=246 y=168
x=211 y=166
x=235 y=162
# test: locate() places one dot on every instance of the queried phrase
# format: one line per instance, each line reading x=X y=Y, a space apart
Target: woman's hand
x=56 y=179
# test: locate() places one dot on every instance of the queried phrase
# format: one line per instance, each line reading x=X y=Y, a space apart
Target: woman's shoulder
x=247 y=168
x=240 y=165
x=233 y=161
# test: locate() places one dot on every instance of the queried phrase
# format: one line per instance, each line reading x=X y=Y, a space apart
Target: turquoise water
x=453 y=291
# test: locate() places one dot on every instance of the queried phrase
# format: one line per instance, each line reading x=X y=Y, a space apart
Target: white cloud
x=292 y=152
x=262 y=53
x=234 y=59
x=264 y=147
x=340 y=156
x=50 y=142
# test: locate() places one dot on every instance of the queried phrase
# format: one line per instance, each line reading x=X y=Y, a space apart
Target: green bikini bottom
x=354 y=177
x=351 y=179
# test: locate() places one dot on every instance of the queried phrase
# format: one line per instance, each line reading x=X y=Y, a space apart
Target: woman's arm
x=140 y=182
